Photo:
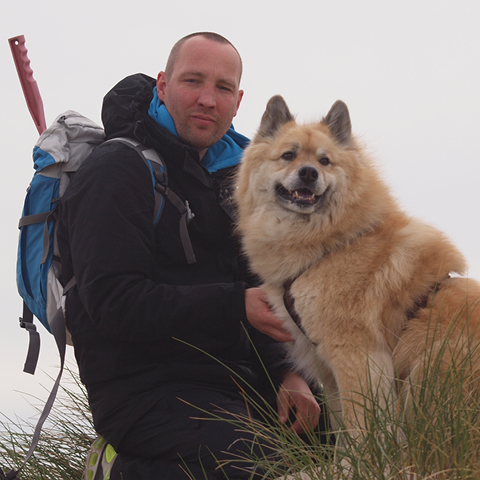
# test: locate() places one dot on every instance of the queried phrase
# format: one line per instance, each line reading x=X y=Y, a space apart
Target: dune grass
x=432 y=434
x=430 y=430
x=65 y=438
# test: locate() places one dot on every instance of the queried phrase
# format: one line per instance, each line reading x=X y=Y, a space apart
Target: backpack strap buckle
x=26 y=322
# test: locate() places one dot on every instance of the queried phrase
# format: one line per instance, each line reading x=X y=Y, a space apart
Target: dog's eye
x=325 y=161
x=289 y=156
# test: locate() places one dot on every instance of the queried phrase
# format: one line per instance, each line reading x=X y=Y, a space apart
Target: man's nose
x=207 y=97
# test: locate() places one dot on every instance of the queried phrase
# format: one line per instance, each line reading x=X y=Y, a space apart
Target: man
x=163 y=344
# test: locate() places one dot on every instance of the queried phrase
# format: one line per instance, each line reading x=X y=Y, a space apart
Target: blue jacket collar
x=227 y=152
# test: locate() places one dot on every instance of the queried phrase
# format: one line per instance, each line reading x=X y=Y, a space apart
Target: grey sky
x=409 y=72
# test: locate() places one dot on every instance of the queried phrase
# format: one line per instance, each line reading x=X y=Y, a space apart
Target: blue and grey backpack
x=57 y=155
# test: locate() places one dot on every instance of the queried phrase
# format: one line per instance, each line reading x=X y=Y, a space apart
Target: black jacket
x=142 y=319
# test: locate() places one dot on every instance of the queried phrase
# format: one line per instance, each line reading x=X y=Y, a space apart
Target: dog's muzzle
x=303 y=192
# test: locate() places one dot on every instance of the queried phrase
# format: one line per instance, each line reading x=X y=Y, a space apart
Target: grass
x=433 y=434
x=64 y=442
x=440 y=441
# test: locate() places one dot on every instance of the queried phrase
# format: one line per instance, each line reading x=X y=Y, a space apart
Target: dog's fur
x=372 y=286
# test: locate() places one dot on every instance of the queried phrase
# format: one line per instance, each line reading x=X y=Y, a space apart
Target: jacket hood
x=126 y=104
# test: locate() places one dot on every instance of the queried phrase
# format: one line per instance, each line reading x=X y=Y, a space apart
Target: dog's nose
x=308 y=174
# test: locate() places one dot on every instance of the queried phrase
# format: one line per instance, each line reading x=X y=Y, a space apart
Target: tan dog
x=372 y=287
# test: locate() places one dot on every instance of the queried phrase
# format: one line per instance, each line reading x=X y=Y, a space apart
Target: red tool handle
x=29 y=85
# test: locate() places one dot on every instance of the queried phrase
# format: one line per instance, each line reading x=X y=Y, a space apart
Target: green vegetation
x=432 y=434
x=64 y=442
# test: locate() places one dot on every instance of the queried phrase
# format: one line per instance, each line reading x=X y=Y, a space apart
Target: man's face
x=202 y=92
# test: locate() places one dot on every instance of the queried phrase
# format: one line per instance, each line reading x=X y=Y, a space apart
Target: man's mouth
x=302 y=197
x=203 y=119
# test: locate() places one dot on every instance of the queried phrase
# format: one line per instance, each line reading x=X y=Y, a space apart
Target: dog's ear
x=276 y=115
x=338 y=121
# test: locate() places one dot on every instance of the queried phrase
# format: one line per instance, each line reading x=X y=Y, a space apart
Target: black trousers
x=186 y=435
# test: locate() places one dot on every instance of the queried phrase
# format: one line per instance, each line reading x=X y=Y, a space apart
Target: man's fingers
x=306 y=421
x=279 y=334
x=260 y=315
x=304 y=404
x=283 y=402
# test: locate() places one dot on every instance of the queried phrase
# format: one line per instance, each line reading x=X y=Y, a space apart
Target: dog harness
x=289 y=303
x=422 y=302
x=288 y=300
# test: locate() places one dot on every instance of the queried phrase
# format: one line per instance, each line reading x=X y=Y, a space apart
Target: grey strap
x=161 y=187
x=187 y=215
x=46 y=217
x=72 y=282
x=160 y=177
x=148 y=155
x=57 y=325
x=26 y=322
x=31 y=219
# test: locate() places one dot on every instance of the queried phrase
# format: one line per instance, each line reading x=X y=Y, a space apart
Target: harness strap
x=423 y=300
x=289 y=303
x=288 y=300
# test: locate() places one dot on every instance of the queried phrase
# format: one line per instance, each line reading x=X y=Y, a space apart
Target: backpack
x=57 y=155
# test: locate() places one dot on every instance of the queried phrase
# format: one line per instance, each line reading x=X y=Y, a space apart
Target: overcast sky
x=409 y=72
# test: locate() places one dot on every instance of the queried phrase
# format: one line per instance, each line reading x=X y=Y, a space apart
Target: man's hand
x=260 y=315
x=295 y=393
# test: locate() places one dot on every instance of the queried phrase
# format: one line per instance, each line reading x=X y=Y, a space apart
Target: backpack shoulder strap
x=160 y=184
x=148 y=155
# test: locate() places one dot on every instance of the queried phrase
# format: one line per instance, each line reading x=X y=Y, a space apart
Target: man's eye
x=192 y=81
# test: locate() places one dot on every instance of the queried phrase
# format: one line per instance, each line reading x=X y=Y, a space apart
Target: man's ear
x=240 y=96
x=161 y=85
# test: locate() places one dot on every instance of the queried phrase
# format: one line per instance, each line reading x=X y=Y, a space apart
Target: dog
x=366 y=291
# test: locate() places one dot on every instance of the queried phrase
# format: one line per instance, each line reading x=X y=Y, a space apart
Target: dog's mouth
x=303 y=197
